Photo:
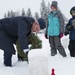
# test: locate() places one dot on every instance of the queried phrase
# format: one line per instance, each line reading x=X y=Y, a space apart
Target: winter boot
x=7 y=59
x=53 y=52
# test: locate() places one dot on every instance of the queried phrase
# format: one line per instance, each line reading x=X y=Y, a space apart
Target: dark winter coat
x=71 y=29
x=13 y=29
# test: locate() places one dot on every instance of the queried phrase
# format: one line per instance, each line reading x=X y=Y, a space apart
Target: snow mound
x=37 y=53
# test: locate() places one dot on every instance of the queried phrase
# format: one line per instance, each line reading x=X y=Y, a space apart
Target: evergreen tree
x=43 y=9
x=5 y=16
x=9 y=14
x=36 y=16
x=65 y=19
x=47 y=11
x=23 y=12
x=29 y=14
x=45 y=14
x=17 y=13
x=12 y=14
x=48 y=8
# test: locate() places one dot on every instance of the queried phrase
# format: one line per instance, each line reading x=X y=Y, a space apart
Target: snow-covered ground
x=62 y=66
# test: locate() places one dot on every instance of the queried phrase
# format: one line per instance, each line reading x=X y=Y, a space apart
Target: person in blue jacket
x=55 y=30
x=15 y=28
x=70 y=29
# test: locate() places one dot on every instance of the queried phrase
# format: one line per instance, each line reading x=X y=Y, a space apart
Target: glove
x=61 y=35
x=70 y=27
x=66 y=33
x=73 y=23
x=26 y=51
x=46 y=36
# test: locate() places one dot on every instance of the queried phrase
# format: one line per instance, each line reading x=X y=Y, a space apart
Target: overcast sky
x=15 y=5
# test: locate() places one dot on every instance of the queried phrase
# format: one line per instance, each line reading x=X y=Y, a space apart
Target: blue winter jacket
x=53 y=24
x=72 y=30
x=17 y=28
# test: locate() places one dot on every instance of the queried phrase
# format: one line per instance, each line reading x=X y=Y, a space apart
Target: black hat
x=42 y=23
x=54 y=4
x=72 y=9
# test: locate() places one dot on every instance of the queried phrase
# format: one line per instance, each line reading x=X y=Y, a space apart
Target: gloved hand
x=26 y=51
x=70 y=27
x=66 y=33
x=46 y=36
x=61 y=35
x=73 y=23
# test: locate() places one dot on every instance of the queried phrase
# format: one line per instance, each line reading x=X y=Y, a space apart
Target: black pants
x=6 y=44
x=72 y=48
x=7 y=59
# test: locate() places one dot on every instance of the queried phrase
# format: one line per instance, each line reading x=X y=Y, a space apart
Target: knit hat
x=54 y=4
x=42 y=23
x=72 y=10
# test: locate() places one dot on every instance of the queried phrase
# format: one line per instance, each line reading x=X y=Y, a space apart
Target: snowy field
x=62 y=66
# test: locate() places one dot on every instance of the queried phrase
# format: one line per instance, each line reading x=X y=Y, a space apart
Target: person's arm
x=61 y=21
x=46 y=35
x=69 y=26
x=22 y=34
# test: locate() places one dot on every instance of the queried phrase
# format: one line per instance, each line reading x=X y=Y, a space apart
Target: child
x=55 y=30
x=70 y=27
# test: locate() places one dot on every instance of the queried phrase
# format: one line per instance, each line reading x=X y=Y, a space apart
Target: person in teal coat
x=55 y=30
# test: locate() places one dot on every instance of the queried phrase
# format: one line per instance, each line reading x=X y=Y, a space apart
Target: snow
x=62 y=65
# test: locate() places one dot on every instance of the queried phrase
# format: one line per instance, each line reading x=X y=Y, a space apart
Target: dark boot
x=71 y=48
x=7 y=59
x=72 y=54
x=53 y=52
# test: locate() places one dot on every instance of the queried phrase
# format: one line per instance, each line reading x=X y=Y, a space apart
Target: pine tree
x=17 y=13
x=48 y=8
x=43 y=9
x=23 y=12
x=5 y=16
x=9 y=14
x=12 y=14
x=36 y=16
x=47 y=12
x=29 y=14
x=65 y=19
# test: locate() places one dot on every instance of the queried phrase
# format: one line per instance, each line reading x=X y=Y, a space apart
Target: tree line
x=44 y=11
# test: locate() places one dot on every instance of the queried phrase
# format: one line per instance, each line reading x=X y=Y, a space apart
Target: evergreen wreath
x=35 y=43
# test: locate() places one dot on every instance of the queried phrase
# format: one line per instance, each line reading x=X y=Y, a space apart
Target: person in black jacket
x=70 y=29
x=15 y=28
